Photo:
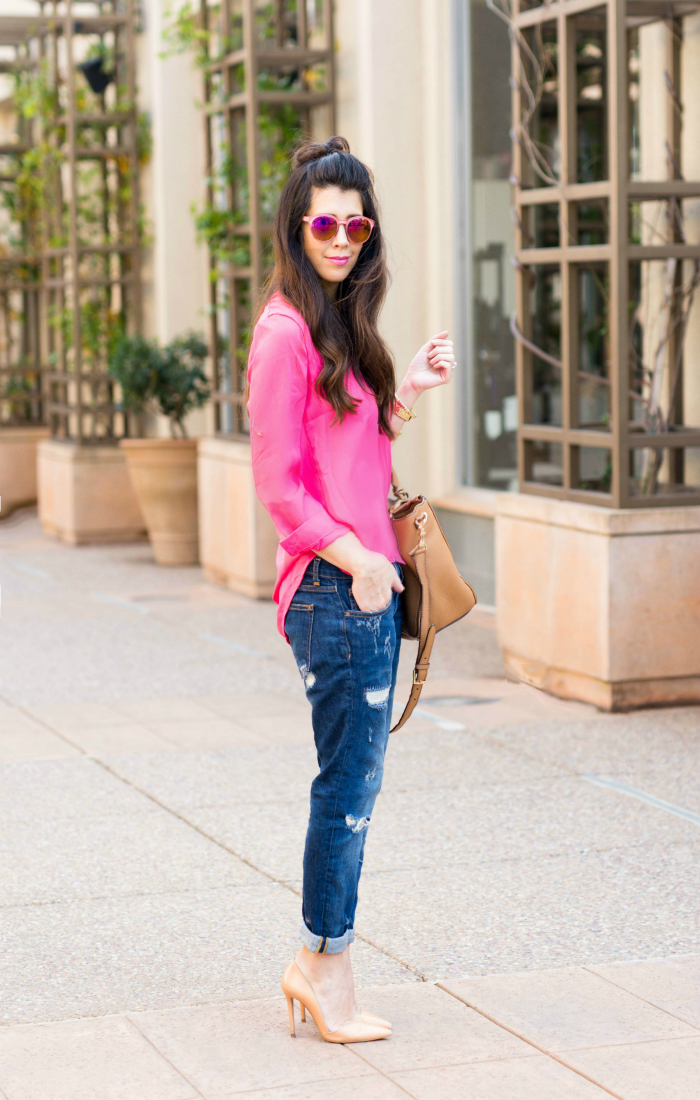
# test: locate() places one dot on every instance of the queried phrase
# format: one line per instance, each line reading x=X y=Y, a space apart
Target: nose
x=341 y=237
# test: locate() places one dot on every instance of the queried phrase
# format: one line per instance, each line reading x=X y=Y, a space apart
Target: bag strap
x=399 y=493
x=426 y=634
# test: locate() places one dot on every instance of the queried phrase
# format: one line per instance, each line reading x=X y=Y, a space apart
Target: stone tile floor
x=529 y=933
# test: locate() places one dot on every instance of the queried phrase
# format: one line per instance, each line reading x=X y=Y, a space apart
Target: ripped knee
x=377 y=697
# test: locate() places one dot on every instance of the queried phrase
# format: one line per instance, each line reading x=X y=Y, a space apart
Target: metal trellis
x=268 y=80
x=601 y=406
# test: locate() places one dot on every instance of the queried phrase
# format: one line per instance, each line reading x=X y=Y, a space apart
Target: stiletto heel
x=296 y=988
x=302 y=1006
x=290 y=1007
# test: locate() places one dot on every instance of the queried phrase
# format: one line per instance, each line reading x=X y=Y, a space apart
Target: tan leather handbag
x=435 y=594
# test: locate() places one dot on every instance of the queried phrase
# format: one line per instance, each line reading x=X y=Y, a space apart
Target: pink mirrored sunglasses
x=325 y=227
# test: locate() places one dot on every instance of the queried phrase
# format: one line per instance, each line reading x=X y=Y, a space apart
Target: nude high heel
x=296 y=988
x=368 y=1017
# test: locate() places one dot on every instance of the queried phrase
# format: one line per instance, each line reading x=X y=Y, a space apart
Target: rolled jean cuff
x=325 y=945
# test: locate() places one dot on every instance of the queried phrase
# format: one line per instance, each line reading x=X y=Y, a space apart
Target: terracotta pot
x=164 y=476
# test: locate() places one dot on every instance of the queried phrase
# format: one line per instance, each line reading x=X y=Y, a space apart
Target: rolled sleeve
x=278 y=378
x=315 y=534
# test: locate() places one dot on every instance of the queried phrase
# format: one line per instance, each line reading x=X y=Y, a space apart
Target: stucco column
x=176 y=267
x=394 y=107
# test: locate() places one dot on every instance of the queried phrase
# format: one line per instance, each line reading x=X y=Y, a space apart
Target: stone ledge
x=85 y=494
x=26 y=434
x=18 y=465
x=226 y=449
x=237 y=539
x=600 y=606
x=470 y=500
x=606 y=695
x=87 y=454
x=598 y=520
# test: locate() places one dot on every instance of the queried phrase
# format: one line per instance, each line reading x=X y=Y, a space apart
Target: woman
x=324 y=411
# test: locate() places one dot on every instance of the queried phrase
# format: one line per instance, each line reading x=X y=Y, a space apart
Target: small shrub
x=169 y=380
x=182 y=383
x=134 y=364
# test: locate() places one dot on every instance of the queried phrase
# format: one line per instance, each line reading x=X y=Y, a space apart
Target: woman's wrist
x=407 y=394
x=348 y=554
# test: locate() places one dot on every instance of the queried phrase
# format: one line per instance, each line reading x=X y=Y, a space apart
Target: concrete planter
x=18 y=459
x=600 y=605
x=238 y=540
x=85 y=494
x=164 y=475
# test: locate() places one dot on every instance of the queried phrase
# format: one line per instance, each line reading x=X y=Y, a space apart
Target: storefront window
x=491 y=406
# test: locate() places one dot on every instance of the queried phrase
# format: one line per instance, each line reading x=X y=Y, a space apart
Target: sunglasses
x=325 y=227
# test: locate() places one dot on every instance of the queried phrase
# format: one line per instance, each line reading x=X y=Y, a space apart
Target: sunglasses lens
x=324 y=227
x=359 y=230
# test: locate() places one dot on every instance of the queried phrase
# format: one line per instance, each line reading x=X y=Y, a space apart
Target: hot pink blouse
x=318 y=480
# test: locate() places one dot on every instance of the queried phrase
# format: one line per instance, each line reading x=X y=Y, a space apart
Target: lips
x=339 y=261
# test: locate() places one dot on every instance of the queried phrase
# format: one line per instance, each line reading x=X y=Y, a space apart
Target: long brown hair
x=344 y=331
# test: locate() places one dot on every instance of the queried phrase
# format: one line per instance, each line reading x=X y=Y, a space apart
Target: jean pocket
x=356 y=613
x=298 y=625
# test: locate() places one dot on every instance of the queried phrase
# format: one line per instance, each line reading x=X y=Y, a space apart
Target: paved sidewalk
x=155 y=759
x=630 y=1030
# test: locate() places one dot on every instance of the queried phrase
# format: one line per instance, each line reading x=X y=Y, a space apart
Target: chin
x=337 y=274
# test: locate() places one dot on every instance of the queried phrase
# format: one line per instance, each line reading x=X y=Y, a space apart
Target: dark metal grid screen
x=83 y=287
x=598 y=423
x=21 y=394
x=269 y=81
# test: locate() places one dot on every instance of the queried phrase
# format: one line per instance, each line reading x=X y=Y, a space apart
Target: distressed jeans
x=348 y=661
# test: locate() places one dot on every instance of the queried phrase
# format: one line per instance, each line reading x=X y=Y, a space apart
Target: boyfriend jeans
x=348 y=661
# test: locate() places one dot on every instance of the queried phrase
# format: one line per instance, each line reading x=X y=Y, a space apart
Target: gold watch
x=401 y=410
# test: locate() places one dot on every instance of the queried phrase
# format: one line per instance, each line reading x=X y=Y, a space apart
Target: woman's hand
x=374 y=581
x=374 y=578
x=432 y=365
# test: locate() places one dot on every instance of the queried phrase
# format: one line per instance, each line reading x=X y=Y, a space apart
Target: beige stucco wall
x=394 y=107
x=175 y=267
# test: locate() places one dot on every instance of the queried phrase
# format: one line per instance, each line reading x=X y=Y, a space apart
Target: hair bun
x=315 y=150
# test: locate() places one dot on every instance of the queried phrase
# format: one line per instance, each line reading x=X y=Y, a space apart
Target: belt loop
x=317 y=562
